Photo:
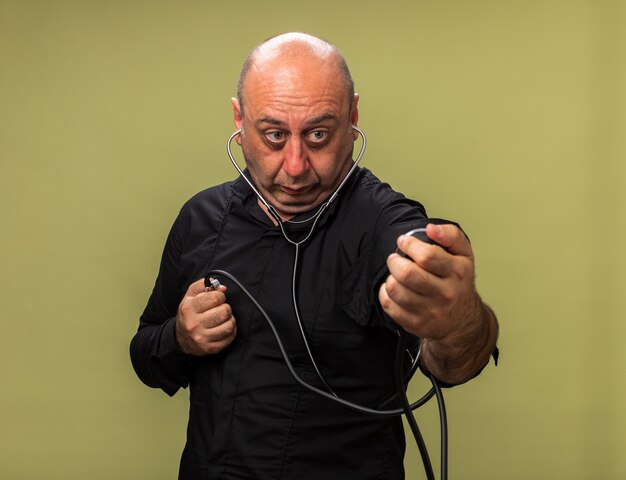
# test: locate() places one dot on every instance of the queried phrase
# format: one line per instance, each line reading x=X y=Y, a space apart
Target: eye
x=275 y=137
x=317 y=136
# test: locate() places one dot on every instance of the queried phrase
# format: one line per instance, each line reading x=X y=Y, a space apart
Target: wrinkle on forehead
x=310 y=90
x=307 y=72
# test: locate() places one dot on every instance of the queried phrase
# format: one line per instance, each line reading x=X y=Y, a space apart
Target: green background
x=508 y=116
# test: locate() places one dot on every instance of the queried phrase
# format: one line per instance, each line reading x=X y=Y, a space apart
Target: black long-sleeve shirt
x=248 y=418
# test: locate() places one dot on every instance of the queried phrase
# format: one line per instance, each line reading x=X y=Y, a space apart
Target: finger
x=222 y=331
x=210 y=282
x=411 y=275
x=406 y=319
x=422 y=322
x=432 y=258
x=195 y=288
x=216 y=316
x=214 y=340
x=434 y=296
x=410 y=297
x=451 y=237
x=208 y=300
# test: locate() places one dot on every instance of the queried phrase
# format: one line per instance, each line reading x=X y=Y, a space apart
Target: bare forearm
x=457 y=357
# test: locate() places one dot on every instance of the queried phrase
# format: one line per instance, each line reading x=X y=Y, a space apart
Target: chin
x=293 y=207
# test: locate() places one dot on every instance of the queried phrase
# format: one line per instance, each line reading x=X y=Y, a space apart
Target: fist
x=204 y=323
x=430 y=292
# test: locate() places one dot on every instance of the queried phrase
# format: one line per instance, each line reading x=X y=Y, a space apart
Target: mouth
x=295 y=192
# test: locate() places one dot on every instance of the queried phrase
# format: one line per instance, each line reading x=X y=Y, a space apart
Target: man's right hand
x=204 y=324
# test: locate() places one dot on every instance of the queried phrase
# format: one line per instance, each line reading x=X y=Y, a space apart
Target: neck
x=270 y=216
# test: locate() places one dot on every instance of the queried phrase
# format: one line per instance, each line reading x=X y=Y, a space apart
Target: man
x=296 y=108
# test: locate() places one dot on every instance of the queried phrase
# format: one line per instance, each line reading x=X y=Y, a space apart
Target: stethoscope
x=329 y=393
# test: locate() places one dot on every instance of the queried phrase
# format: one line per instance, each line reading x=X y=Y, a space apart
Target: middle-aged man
x=248 y=418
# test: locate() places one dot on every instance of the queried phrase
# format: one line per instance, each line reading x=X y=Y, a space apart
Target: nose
x=295 y=161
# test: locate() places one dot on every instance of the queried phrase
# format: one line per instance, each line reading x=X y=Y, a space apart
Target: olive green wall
x=507 y=116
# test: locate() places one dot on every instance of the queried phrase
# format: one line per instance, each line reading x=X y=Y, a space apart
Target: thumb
x=195 y=288
x=451 y=237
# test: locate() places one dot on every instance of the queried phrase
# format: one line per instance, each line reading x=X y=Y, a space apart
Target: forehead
x=295 y=85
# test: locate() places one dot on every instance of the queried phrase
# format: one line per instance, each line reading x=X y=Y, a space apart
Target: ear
x=237 y=117
x=354 y=113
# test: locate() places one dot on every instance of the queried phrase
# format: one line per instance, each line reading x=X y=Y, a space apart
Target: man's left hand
x=432 y=294
x=429 y=292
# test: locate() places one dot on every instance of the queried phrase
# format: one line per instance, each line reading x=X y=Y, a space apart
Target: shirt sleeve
x=155 y=354
x=359 y=291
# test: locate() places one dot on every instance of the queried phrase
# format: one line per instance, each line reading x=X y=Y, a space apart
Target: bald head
x=294 y=48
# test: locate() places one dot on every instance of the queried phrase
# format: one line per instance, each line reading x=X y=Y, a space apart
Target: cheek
x=332 y=163
x=263 y=164
x=327 y=168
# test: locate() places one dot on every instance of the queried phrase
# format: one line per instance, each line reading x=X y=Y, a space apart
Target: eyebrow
x=310 y=121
